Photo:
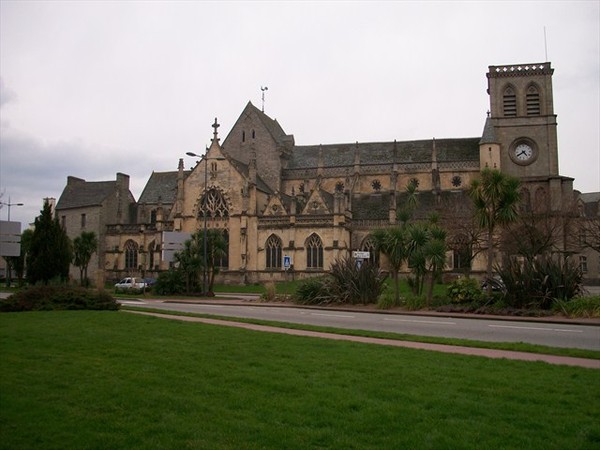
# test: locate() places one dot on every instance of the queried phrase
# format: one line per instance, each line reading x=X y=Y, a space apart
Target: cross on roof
x=215 y=126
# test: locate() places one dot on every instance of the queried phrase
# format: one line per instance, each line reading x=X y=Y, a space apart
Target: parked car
x=496 y=282
x=131 y=283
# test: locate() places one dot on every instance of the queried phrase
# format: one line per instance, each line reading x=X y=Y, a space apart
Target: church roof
x=335 y=155
x=81 y=193
x=161 y=188
x=489 y=134
x=243 y=169
x=270 y=124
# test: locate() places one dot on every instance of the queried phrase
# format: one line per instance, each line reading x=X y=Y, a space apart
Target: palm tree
x=392 y=243
x=84 y=246
x=495 y=197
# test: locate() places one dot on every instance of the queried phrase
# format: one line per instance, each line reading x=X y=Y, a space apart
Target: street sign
x=361 y=255
x=10 y=238
x=287 y=262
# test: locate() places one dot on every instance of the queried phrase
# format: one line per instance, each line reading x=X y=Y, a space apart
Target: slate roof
x=243 y=169
x=335 y=155
x=489 y=135
x=270 y=124
x=161 y=188
x=83 y=194
x=376 y=206
x=591 y=202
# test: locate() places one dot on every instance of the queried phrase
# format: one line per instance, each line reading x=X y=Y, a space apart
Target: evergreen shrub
x=47 y=297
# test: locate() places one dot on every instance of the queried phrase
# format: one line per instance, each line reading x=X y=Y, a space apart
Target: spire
x=215 y=133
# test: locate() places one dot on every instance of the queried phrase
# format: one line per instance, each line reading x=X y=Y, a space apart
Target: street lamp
x=9 y=204
x=205 y=159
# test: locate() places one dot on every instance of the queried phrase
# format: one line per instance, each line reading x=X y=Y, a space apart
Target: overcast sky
x=90 y=89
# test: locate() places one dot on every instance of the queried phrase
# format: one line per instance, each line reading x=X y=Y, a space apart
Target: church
x=288 y=211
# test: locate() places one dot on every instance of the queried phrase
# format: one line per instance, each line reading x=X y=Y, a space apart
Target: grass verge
x=99 y=380
x=511 y=346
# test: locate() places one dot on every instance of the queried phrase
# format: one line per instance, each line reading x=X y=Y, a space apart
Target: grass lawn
x=112 y=380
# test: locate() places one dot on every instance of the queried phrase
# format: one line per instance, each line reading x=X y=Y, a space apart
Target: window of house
x=509 y=102
x=314 y=252
x=131 y=255
x=273 y=252
x=533 y=101
x=151 y=250
x=63 y=221
x=153 y=216
x=583 y=264
x=243 y=136
x=83 y=218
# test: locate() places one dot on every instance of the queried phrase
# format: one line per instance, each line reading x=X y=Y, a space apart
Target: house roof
x=83 y=193
x=161 y=188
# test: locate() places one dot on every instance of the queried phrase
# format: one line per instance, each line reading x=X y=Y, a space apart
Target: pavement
x=253 y=300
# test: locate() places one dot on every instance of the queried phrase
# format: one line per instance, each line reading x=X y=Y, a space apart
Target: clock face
x=523 y=152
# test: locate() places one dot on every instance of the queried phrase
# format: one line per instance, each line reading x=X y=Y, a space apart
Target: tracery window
x=213 y=204
x=273 y=252
x=541 y=200
x=533 y=101
x=314 y=252
x=131 y=255
x=369 y=246
x=151 y=249
x=509 y=102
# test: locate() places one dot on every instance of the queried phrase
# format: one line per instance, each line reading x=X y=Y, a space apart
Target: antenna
x=263 y=89
x=545 y=44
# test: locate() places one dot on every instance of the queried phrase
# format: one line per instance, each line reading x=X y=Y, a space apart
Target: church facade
x=288 y=211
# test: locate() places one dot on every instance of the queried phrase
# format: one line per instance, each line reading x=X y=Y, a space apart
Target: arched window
x=369 y=246
x=525 y=205
x=533 y=101
x=213 y=204
x=153 y=216
x=314 y=252
x=131 y=255
x=541 y=200
x=223 y=260
x=273 y=252
x=151 y=249
x=509 y=102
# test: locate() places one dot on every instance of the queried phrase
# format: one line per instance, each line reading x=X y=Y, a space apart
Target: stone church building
x=312 y=204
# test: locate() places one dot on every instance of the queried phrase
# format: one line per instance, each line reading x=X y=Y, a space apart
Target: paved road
x=543 y=333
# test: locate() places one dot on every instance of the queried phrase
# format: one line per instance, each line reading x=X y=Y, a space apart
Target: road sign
x=361 y=255
x=287 y=262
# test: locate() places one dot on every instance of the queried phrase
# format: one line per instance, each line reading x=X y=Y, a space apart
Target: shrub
x=355 y=284
x=170 y=282
x=588 y=307
x=313 y=291
x=387 y=298
x=414 y=302
x=465 y=290
x=538 y=283
x=44 y=298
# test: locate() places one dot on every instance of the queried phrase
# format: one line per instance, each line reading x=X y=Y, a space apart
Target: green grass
x=99 y=380
x=511 y=346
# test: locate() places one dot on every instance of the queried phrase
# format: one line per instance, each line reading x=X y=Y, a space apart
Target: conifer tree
x=50 y=251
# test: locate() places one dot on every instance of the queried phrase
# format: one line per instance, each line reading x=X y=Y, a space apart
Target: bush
x=170 y=282
x=355 y=284
x=45 y=298
x=465 y=290
x=387 y=298
x=539 y=283
x=313 y=291
x=588 y=307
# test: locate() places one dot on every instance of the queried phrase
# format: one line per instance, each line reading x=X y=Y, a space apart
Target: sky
x=92 y=88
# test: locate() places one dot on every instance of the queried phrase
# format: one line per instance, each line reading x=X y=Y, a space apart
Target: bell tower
x=523 y=119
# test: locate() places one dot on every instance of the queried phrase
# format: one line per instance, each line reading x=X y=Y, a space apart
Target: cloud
x=7 y=95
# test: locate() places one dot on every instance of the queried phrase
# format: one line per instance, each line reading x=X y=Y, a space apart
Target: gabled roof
x=243 y=169
x=81 y=193
x=161 y=188
x=335 y=155
x=270 y=124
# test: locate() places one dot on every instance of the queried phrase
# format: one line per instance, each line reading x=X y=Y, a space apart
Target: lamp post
x=9 y=204
x=205 y=159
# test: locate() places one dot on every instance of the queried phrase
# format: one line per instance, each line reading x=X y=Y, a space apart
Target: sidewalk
x=487 y=353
